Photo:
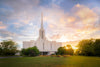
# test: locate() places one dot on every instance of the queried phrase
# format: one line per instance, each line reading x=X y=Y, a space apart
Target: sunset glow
x=75 y=48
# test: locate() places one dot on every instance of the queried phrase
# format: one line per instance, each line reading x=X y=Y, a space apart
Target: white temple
x=45 y=47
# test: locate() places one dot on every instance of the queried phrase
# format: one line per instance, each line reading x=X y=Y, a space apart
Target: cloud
x=77 y=24
x=1 y=23
x=20 y=10
x=71 y=19
x=20 y=5
x=85 y=14
x=55 y=37
x=5 y=33
x=2 y=26
x=96 y=9
x=23 y=20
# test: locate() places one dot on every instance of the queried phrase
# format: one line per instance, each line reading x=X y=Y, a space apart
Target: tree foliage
x=8 y=47
x=69 y=50
x=32 y=51
x=97 y=47
x=66 y=50
x=61 y=51
x=89 y=47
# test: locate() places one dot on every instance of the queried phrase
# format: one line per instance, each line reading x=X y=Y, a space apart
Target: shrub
x=32 y=51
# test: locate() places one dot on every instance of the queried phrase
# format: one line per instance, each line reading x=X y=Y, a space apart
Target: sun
x=75 y=48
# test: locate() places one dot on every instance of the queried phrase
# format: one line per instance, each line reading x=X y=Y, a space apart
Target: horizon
x=64 y=20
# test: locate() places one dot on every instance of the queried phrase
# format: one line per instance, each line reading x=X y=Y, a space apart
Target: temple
x=45 y=47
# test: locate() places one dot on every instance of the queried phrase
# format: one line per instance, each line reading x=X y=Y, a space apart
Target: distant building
x=45 y=47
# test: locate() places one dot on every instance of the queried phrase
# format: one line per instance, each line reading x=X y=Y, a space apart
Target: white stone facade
x=42 y=43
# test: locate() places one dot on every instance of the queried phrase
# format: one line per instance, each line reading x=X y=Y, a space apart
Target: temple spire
x=42 y=20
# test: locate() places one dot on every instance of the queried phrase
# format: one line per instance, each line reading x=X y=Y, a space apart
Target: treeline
x=89 y=47
x=86 y=47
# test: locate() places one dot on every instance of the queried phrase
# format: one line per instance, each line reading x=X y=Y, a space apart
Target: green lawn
x=73 y=61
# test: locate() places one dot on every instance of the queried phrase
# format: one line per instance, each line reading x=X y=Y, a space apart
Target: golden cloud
x=85 y=14
x=73 y=26
x=71 y=19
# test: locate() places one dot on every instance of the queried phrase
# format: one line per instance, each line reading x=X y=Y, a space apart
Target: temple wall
x=48 y=45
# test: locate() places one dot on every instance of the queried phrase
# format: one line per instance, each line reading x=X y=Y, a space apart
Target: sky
x=64 y=20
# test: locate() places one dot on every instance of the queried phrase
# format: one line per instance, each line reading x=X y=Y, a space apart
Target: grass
x=72 y=61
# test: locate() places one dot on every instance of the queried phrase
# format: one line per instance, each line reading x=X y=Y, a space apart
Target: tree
x=32 y=51
x=0 y=50
x=86 y=47
x=89 y=47
x=61 y=51
x=97 y=47
x=66 y=50
x=8 y=47
x=69 y=50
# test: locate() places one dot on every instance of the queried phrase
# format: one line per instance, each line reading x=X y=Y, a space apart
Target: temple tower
x=42 y=32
